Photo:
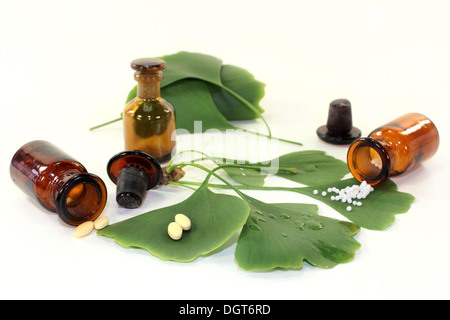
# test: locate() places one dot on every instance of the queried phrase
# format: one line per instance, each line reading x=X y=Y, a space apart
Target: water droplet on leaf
x=313 y=225
x=300 y=225
x=255 y=227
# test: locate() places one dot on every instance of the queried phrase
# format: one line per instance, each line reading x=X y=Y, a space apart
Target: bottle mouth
x=369 y=161
x=82 y=198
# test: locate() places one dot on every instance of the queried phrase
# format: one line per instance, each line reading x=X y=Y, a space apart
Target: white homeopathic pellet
x=349 y=208
x=316 y=191
x=83 y=229
x=183 y=221
x=175 y=231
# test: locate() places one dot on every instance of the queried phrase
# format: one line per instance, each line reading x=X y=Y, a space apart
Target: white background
x=64 y=67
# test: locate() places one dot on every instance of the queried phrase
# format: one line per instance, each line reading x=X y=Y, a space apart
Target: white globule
x=349 y=194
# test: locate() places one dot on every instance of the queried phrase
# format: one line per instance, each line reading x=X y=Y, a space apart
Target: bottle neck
x=149 y=85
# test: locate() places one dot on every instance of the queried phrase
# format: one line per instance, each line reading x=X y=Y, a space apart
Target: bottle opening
x=368 y=161
x=83 y=199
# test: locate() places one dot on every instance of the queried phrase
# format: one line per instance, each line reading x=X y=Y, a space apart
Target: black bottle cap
x=339 y=128
x=134 y=172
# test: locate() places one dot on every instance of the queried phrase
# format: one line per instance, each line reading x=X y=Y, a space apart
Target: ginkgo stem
x=105 y=124
x=271 y=137
x=244 y=101
x=221 y=186
x=256 y=166
x=212 y=173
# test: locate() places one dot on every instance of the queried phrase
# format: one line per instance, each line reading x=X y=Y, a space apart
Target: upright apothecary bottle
x=149 y=120
x=393 y=149
x=58 y=182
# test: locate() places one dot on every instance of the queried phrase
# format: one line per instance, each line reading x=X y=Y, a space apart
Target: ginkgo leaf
x=284 y=235
x=312 y=168
x=185 y=65
x=378 y=210
x=194 y=104
x=242 y=82
x=235 y=92
x=202 y=89
x=215 y=218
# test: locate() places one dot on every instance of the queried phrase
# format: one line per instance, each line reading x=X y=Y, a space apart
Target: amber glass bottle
x=393 y=149
x=58 y=182
x=148 y=119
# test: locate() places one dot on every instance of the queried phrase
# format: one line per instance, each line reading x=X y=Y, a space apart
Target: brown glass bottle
x=148 y=119
x=393 y=149
x=58 y=182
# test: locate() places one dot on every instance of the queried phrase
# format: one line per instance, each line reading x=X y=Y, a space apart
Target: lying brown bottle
x=58 y=182
x=393 y=149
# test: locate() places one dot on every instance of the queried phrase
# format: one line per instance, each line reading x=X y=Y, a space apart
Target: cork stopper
x=339 y=128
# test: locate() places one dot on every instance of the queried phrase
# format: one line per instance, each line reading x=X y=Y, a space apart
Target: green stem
x=212 y=173
x=177 y=183
x=105 y=124
x=255 y=166
x=272 y=137
x=221 y=186
x=252 y=107
x=171 y=166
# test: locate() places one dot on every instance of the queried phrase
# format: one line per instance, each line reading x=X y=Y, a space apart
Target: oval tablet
x=175 y=231
x=101 y=222
x=84 y=229
x=183 y=221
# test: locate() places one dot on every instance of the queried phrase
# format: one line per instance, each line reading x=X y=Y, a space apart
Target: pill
x=183 y=221
x=84 y=229
x=101 y=222
x=175 y=231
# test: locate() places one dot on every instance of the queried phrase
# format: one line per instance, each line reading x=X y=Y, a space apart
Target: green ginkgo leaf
x=284 y=235
x=227 y=91
x=243 y=83
x=312 y=168
x=215 y=219
x=378 y=210
x=185 y=65
x=195 y=107
x=202 y=89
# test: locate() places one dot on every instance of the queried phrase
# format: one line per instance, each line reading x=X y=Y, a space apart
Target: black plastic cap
x=339 y=128
x=134 y=172
x=131 y=187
